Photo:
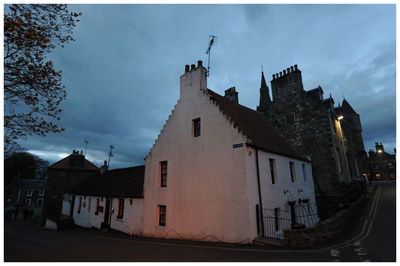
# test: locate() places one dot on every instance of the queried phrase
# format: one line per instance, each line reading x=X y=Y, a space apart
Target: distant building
x=31 y=192
x=219 y=172
x=382 y=165
x=113 y=199
x=330 y=136
x=62 y=176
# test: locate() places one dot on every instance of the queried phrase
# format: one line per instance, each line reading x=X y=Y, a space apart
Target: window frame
x=161 y=215
x=163 y=175
x=272 y=170
x=196 y=127
x=41 y=192
x=121 y=207
x=292 y=171
x=29 y=193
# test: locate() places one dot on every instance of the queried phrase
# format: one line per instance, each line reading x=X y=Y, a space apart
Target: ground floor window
x=28 y=202
x=97 y=206
x=120 y=208
x=80 y=205
x=39 y=202
x=378 y=176
x=162 y=215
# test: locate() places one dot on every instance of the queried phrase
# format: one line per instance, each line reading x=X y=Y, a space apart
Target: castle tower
x=265 y=99
x=287 y=82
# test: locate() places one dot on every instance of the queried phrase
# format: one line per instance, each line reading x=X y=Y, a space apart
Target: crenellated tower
x=286 y=82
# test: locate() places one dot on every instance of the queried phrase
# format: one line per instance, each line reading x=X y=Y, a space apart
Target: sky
x=122 y=72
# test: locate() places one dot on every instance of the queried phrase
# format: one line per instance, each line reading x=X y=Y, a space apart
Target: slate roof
x=256 y=127
x=74 y=161
x=32 y=184
x=123 y=182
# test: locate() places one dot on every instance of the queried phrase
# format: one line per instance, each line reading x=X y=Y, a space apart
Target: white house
x=113 y=199
x=219 y=172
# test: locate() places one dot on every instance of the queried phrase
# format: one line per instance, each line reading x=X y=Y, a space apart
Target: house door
x=106 y=215
x=71 y=211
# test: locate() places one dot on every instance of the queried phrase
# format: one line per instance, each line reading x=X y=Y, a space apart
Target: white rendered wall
x=206 y=195
x=87 y=218
x=131 y=220
x=277 y=195
x=66 y=207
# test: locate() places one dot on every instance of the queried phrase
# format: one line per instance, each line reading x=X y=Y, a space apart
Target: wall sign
x=239 y=145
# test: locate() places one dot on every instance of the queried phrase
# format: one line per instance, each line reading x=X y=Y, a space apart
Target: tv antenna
x=212 y=38
x=86 y=143
x=110 y=155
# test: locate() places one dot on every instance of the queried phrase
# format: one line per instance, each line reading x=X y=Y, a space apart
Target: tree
x=32 y=87
x=23 y=165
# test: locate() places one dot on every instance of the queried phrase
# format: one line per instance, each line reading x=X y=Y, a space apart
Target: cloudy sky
x=122 y=72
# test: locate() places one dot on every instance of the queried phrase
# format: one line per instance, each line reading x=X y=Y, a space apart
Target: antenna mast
x=109 y=155
x=86 y=143
x=212 y=37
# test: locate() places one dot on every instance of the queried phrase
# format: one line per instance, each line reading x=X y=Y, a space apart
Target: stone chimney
x=104 y=168
x=193 y=80
x=232 y=95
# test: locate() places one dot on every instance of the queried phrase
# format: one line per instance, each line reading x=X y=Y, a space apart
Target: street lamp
x=340 y=117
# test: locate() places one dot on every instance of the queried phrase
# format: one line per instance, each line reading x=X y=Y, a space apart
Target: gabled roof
x=346 y=107
x=76 y=162
x=123 y=182
x=255 y=126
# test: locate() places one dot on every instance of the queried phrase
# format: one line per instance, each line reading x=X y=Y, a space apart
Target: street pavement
x=370 y=236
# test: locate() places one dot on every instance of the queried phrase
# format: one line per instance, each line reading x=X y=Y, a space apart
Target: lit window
x=29 y=193
x=304 y=172
x=272 y=170
x=163 y=174
x=378 y=176
x=80 y=205
x=120 y=208
x=162 y=215
x=196 y=127
x=292 y=171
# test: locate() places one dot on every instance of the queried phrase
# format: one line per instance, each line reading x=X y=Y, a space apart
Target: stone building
x=330 y=136
x=382 y=165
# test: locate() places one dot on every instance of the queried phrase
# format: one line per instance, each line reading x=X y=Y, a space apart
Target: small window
x=196 y=127
x=272 y=170
x=39 y=202
x=41 y=192
x=97 y=206
x=292 y=171
x=378 y=176
x=120 y=209
x=29 y=193
x=390 y=164
x=163 y=173
x=376 y=166
x=304 y=172
x=162 y=215
x=80 y=205
x=89 y=202
x=28 y=202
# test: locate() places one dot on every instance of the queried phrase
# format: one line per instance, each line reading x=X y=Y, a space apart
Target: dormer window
x=196 y=127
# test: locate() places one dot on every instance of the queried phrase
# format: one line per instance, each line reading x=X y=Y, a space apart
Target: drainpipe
x=259 y=193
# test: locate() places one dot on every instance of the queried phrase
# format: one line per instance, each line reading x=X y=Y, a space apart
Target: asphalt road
x=372 y=237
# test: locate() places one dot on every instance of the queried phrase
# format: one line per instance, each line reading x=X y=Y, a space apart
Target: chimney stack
x=232 y=95
x=104 y=168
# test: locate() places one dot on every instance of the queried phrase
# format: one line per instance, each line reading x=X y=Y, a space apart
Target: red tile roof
x=255 y=126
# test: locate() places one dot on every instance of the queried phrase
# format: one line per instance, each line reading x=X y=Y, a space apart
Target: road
x=374 y=240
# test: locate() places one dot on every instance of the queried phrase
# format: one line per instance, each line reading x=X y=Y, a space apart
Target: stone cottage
x=219 y=172
x=382 y=165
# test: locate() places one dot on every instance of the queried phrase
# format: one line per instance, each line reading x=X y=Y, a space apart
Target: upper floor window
x=41 y=192
x=376 y=166
x=292 y=171
x=196 y=127
x=163 y=173
x=390 y=164
x=272 y=170
x=120 y=209
x=29 y=193
x=304 y=172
